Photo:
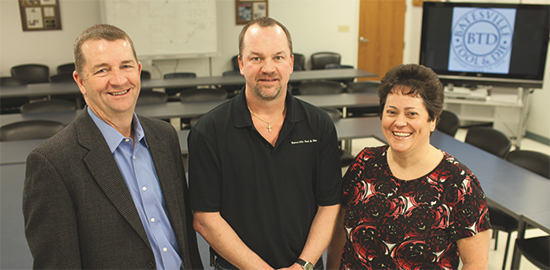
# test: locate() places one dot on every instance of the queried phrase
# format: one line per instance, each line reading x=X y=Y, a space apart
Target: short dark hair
x=423 y=82
x=263 y=22
x=97 y=32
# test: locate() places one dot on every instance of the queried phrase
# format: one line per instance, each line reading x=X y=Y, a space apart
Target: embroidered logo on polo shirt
x=304 y=141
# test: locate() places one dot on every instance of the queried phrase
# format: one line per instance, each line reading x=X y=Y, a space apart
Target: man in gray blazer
x=109 y=191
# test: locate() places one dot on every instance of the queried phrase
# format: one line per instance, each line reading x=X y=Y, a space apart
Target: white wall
x=314 y=25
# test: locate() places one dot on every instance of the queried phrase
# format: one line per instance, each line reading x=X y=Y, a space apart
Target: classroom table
x=67 y=88
x=191 y=109
x=510 y=188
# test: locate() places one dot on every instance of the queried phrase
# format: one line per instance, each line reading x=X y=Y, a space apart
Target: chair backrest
x=62 y=77
x=363 y=87
x=145 y=75
x=235 y=62
x=536 y=162
x=320 y=88
x=321 y=59
x=489 y=139
x=448 y=123
x=180 y=75
x=203 y=94
x=299 y=62
x=11 y=81
x=334 y=113
x=66 y=68
x=51 y=105
x=337 y=66
x=31 y=73
x=151 y=97
x=30 y=130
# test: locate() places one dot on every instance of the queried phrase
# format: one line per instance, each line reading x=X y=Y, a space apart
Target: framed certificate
x=40 y=15
x=248 y=10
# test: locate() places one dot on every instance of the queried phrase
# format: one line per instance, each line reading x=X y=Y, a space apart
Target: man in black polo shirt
x=265 y=179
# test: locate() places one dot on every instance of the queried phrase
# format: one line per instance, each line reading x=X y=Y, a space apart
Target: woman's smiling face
x=405 y=121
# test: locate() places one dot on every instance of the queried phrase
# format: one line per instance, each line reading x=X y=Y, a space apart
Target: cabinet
x=506 y=108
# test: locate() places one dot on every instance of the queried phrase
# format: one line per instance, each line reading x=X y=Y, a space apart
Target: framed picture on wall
x=247 y=10
x=40 y=15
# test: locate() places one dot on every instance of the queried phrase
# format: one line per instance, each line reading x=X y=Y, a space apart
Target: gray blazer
x=78 y=211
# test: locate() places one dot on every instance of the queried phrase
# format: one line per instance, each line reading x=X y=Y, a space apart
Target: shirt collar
x=112 y=136
x=242 y=117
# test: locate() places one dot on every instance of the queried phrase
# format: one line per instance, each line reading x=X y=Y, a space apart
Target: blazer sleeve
x=49 y=215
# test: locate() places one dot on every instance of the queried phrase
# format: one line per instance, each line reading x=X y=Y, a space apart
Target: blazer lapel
x=105 y=171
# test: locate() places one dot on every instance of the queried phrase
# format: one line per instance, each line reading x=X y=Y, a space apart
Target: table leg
x=516 y=256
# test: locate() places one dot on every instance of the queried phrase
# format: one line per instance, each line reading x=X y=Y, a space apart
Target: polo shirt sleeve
x=329 y=189
x=204 y=174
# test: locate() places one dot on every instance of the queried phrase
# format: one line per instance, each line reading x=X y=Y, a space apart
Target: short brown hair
x=263 y=22
x=97 y=32
x=423 y=82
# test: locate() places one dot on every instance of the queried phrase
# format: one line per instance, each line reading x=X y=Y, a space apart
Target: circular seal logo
x=481 y=38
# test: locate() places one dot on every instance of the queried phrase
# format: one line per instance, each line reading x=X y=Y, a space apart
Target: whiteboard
x=166 y=28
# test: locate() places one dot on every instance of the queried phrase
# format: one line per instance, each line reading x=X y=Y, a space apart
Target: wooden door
x=381 y=36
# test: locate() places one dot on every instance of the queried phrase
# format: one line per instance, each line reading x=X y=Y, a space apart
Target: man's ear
x=79 y=81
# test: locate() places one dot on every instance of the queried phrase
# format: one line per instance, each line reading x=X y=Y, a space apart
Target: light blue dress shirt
x=137 y=168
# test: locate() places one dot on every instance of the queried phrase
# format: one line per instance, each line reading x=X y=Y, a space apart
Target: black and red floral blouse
x=414 y=224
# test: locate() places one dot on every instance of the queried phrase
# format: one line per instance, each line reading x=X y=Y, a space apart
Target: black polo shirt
x=268 y=194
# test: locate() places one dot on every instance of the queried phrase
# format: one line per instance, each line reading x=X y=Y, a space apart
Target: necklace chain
x=269 y=127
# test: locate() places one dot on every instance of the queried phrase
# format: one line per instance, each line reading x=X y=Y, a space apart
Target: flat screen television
x=469 y=44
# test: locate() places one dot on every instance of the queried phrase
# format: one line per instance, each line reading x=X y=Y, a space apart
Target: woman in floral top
x=409 y=205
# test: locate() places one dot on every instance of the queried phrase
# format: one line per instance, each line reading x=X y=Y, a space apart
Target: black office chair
x=321 y=59
x=498 y=144
x=231 y=73
x=151 y=97
x=30 y=130
x=337 y=66
x=203 y=94
x=31 y=73
x=320 y=88
x=62 y=77
x=66 y=68
x=45 y=106
x=299 y=62
x=363 y=87
x=11 y=81
x=535 y=249
x=173 y=92
x=448 y=123
x=145 y=75
x=536 y=162
x=490 y=140
x=235 y=62
x=180 y=75
x=12 y=104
